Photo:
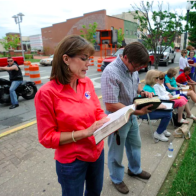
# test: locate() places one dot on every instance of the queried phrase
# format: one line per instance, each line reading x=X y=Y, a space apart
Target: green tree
x=120 y=38
x=162 y=27
x=10 y=42
x=192 y=28
x=90 y=32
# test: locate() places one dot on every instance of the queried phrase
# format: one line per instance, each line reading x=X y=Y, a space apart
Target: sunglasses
x=161 y=78
x=10 y=61
x=157 y=78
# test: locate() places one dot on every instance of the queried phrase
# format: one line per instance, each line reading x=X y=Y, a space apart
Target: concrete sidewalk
x=27 y=168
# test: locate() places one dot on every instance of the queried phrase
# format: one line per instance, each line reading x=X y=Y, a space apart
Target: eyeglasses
x=9 y=61
x=85 y=59
x=161 y=78
x=185 y=52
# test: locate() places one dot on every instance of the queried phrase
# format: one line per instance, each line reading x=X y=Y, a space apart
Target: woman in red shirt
x=68 y=112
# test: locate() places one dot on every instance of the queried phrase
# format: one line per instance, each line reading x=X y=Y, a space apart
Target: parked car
x=17 y=59
x=47 y=61
x=108 y=60
x=168 y=56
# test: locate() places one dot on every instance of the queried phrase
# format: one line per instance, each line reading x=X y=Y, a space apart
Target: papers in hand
x=117 y=120
x=175 y=97
x=185 y=88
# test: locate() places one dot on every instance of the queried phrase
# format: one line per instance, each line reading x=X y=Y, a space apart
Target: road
x=26 y=111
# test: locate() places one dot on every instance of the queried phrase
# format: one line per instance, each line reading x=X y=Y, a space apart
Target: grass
x=181 y=179
x=33 y=60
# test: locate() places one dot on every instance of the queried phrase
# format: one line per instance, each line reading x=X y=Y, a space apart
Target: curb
x=17 y=129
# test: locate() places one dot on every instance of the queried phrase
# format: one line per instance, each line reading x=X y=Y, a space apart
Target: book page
x=114 y=116
x=168 y=105
x=184 y=87
x=176 y=96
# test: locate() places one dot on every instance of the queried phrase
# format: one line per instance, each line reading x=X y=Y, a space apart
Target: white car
x=47 y=61
x=168 y=56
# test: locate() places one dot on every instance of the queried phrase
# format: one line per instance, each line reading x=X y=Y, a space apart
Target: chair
x=155 y=120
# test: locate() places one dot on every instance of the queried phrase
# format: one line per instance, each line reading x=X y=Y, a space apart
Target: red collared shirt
x=60 y=109
x=182 y=78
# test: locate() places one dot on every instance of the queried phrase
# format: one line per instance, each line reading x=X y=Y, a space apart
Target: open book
x=142 y=102
x=175 y=97
x=117 y=120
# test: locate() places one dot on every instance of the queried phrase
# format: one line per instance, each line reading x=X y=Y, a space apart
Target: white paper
x=168 y=105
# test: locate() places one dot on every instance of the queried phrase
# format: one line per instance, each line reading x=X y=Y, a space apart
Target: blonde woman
x=161 y=133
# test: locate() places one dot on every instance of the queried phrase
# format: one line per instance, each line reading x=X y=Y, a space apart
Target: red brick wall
x=51 y=36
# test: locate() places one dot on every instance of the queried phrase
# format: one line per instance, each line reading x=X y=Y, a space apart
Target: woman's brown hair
x=171 y=72
x=161 y=74
x=71 y=45
x=183 y=52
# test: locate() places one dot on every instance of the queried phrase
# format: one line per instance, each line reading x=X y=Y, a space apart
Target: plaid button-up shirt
x=118 y=85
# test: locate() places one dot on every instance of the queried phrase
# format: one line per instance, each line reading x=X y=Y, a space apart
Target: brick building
x=52 y=35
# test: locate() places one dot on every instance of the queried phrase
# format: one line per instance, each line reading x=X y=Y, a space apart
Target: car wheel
x=173 y=59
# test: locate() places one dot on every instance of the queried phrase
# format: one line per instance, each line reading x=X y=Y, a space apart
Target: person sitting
x=172 y=84
x=165 y=117
x=184 y=78
x=181 y=103
x=183 y=61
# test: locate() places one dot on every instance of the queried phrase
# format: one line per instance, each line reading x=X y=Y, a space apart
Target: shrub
x=28 y=56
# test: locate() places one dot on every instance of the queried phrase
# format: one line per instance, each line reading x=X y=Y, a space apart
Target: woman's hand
x=170 y=96
x=96 y=125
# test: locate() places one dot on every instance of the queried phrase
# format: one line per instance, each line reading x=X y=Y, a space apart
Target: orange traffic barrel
x=34 y=74
x=99 y=63
x=92 y=61
x=26 y=67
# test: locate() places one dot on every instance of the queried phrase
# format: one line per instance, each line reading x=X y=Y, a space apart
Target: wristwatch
x=141 y=91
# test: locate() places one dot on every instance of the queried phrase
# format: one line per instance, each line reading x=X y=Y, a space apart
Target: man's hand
x=144 y=110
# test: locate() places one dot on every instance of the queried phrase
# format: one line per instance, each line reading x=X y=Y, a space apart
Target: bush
x=28 y=56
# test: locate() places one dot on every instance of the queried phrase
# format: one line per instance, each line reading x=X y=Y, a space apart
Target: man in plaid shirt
x=120 y=84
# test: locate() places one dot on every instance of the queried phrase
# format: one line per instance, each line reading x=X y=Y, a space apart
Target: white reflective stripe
x=34 y=72
x=35 y=79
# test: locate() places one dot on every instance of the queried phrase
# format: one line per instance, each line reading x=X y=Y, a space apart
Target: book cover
x=142 y=102
x=117 y=120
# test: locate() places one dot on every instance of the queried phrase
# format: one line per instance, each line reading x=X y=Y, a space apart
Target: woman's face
x=184 y=54
x=78 y=65
x=191 y=54
x=161 y=80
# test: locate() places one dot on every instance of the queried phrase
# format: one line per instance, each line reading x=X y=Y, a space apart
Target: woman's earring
x=67 y=67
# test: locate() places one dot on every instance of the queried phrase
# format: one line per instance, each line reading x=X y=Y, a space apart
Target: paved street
x=26 y=111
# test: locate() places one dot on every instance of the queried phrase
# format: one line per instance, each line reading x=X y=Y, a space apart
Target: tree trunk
x=156 y=59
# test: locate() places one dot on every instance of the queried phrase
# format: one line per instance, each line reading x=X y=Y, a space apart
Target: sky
x=42 y=13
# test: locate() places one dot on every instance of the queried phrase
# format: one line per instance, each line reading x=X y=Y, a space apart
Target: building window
x=127 y=32
x=112 y=28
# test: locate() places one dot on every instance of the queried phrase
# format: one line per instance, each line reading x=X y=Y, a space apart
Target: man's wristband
x=141 y=92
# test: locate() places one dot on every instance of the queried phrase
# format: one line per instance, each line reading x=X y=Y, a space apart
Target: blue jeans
x=13 y=96
x=164 y=116
x=130 y=138
x=180 y=72
x=72 y=176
